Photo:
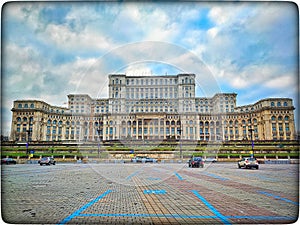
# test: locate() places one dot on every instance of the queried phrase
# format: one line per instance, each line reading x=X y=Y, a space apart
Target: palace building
x=153 y=107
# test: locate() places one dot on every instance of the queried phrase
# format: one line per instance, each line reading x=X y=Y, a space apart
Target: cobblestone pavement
x=170 y=193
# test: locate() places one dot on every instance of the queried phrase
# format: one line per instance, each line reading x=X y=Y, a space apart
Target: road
x=162 y=193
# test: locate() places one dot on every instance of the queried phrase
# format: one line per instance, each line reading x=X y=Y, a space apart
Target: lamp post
x=99 y=131
x=180 y=132
x=251 y=137
x=28 y=135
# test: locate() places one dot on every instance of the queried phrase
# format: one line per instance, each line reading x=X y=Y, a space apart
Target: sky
x=52 y=49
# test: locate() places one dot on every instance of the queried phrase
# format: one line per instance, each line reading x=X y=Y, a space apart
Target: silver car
x=248 y=163
x=47 y=161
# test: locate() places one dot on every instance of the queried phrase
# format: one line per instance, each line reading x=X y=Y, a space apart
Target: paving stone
x=115 y=194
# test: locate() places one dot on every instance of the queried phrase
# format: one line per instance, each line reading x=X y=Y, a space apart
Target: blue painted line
x=77 y=213
x=278 y=197
x=213 y=209
x=154 y=178
x=150 y=215
x=132 y=175
x=179 y=177
x=273 y=218
x=215 y=176
x=155 y=191
x=145 y=215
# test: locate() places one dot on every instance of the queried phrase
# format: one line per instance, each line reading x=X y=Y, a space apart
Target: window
x=287 y=128
x=273 y=126
x=32 y=105
x=272 y=104
x=278 y=104
x=19 y=105
x=285 y=104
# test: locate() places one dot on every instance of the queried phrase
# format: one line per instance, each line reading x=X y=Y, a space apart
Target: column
x=165 y=129
x=142 y=128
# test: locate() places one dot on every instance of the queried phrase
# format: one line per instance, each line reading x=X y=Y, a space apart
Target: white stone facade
x=153 y=107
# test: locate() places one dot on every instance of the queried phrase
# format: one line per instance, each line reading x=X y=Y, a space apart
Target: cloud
x=281 y=82
x=51 y=49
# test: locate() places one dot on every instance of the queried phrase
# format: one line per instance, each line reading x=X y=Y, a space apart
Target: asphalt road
x=126 y=193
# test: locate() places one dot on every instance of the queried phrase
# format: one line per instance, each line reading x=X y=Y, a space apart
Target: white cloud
x=67 y=39
x=212 y=33
x=244 y=45
x=281 y=82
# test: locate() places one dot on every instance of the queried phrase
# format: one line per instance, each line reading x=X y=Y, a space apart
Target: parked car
x=8 y=161
x=143 y=159
x=213 y=160
x=47 y=161
x=196 y=162
x=150 y=160
x=248 y=162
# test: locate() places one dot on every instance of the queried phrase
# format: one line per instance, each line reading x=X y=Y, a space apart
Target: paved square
x=161 y=193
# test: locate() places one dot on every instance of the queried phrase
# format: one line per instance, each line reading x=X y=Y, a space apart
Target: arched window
x=278 y=104
x=26 y=105
x=285 y=104
x=280 y=118
x=272 y=104
x=25 y=119
x=273 y=118
x=32 y=105
x=19 y=105
x=18 y=119
x=49 y=121
x=286 y=118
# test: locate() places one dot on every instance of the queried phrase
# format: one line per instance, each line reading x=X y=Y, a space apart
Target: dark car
x=47 y=161
x=8 y=161
x=196 y=162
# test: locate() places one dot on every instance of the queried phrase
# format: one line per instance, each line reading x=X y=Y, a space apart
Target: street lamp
x=28 y=135
x=99 y=131
x=251 y=137
x=180 y=132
